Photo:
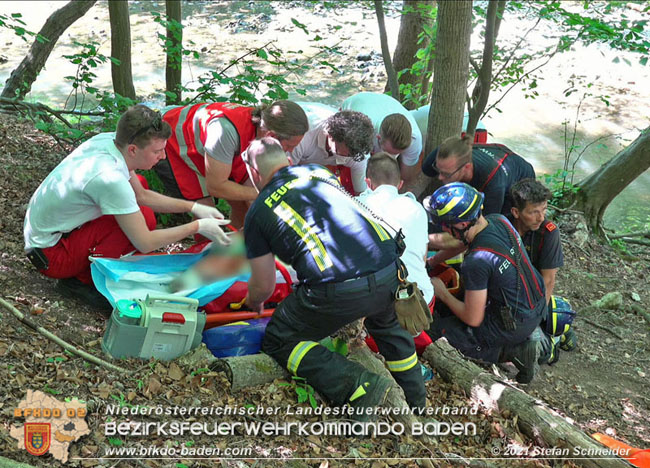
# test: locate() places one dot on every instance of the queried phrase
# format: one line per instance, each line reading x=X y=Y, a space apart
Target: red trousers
x=101 y=237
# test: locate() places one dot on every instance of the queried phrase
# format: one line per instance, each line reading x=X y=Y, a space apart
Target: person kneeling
x=504 y=295
x=94 y=205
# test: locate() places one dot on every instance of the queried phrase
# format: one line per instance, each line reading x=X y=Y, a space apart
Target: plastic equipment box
x=163 y=327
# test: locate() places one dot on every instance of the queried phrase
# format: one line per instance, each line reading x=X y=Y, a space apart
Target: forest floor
x=602 y=386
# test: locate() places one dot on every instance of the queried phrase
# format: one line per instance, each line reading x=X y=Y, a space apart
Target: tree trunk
x=534 y=420
x=21 y=79
x=600 y=188
x=413 y=18
x=481 y=91
x=174 y=65
x=451 y=68
x=385 y=52
x=118 y=12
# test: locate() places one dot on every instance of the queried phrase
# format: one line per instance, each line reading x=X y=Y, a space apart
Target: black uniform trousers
x=486 y=341
x=311 y=313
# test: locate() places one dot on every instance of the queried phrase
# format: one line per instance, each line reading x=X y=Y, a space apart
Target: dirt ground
x=601 y=386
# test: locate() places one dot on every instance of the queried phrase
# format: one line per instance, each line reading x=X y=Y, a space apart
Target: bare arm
x=443 y=255
x=156 y=201
x=135 y=228
x=218 y=185
x=443 y=241
x=262 y=281
x=549 y=281
x=471 y=311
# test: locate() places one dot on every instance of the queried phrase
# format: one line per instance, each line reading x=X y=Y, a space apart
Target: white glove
x=204 y=211
x=211 y=228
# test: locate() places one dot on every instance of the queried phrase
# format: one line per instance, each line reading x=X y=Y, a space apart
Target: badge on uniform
x=550 y=227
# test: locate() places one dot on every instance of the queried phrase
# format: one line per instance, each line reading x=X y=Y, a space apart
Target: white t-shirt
x=312 y=150
x=377 y=107
x=402 y=211
x=90 y=182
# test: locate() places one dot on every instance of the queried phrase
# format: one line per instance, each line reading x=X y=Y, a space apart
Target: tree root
x=597 y=325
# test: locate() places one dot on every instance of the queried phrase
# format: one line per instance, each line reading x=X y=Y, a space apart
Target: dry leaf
x=153 y=386
x=175 y=372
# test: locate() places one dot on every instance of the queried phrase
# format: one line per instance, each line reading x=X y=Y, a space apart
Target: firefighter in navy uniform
x=504 y=298
x=541 y=238
x=346 y=264
x=489 y=168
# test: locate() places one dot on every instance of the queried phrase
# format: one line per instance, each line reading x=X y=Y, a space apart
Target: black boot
x=371 y=392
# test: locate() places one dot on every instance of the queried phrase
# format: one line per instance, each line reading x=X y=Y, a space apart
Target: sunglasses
x=155 y=124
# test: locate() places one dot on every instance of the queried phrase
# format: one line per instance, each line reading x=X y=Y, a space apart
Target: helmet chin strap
x=460 y=233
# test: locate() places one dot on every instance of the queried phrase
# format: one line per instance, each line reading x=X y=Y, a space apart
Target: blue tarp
x=133 y=277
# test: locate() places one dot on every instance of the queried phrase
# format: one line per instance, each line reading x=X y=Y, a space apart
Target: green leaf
x=643 y=60
x=300 y=25
x=312 y=401
x=115 y=441
x=262 y=54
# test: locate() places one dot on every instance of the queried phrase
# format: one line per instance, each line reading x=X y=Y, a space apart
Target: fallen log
x=535 y=420
x=249 y=371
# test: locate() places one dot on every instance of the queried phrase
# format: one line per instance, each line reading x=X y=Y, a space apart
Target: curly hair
x=353 y=129
x=528 y=191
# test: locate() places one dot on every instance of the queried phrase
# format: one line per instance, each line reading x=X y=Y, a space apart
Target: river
x=222 y=31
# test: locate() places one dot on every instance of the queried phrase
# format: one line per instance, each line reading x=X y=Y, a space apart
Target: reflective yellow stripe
x=358 y=393
x=445 y=209
x=298 y=353
x=469 y=207
x=553 y=315
x=311 y=240
x=403 y=365
x=379 y=229
x=455 y=260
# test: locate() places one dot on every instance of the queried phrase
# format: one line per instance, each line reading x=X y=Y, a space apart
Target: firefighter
x=346 y=264
x=541 y=237
x=489 y=168
x=504 y=298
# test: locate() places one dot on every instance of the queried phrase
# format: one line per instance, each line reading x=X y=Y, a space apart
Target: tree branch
x=385 y=52
x=630 y=234
x=64 y=344
x=481 y=89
